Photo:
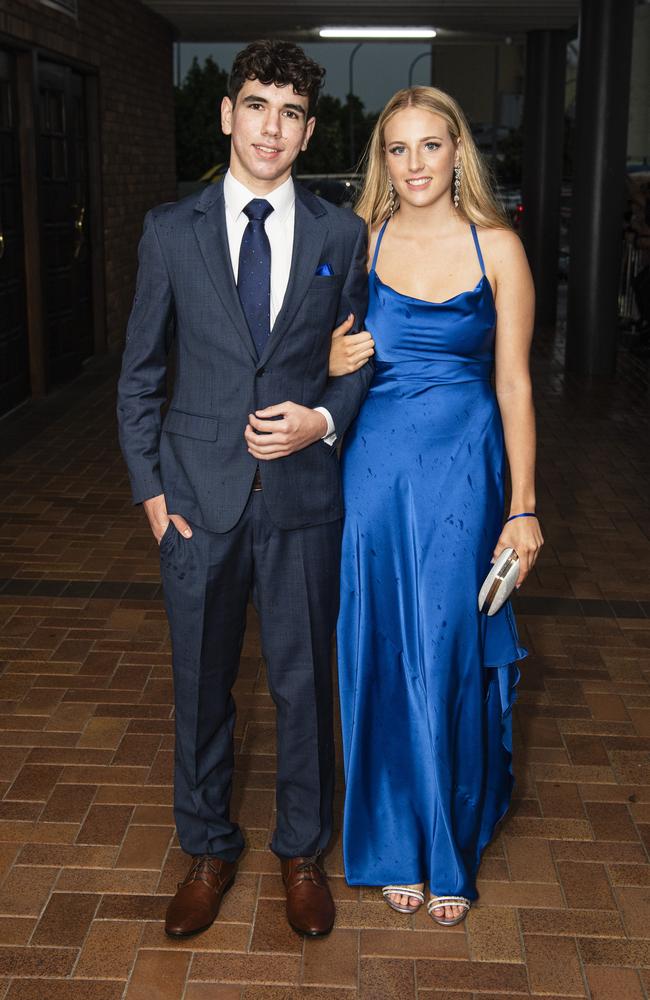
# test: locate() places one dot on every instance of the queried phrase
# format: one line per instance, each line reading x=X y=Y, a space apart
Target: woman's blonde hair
x=477 y=203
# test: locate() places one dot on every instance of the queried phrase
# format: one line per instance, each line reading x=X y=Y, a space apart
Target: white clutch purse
x=499 y=583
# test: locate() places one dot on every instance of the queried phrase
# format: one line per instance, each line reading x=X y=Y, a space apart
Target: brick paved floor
x=88 y=857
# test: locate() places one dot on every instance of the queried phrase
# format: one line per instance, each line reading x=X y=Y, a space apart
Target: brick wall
x=132 y=50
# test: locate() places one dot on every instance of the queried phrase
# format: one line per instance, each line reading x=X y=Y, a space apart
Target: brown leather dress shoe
x=310 y=907
x=199 y=895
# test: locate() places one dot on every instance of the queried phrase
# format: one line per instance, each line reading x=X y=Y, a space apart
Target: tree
x=200 y=143
x=325 y=151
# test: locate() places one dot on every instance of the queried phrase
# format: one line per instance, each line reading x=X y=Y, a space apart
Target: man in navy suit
x=240 y=479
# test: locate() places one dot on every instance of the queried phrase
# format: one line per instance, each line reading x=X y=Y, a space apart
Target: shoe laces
x=310 y=863
x=200 y=867
x=312 y=867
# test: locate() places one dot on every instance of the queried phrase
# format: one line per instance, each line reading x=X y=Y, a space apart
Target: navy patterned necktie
x=254 y=275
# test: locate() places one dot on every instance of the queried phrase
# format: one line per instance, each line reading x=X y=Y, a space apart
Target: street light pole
x=350 y=96
x=422 y=55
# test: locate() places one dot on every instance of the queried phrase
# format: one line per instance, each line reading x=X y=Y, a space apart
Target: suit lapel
x=211 y=233
x=310 y=231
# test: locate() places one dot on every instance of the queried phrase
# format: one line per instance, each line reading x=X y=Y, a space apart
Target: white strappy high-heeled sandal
x=403 y=890
x=441 y=901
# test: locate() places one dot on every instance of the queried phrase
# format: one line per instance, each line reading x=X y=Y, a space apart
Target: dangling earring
x=458 y=173
x=391 y=196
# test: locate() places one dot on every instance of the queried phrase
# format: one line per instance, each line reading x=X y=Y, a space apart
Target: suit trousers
x=207 y=581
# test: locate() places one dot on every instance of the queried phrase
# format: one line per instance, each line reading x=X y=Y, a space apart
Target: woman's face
x=420 y=156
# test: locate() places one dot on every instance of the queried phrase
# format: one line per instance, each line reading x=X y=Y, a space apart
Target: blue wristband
x=527 y=513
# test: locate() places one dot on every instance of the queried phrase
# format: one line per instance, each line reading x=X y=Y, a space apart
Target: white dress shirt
x=279 y=226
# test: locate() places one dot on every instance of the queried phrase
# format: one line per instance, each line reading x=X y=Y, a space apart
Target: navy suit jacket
x=197 y=455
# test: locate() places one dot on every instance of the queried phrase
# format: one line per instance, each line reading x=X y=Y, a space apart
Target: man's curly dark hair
x=273 y=61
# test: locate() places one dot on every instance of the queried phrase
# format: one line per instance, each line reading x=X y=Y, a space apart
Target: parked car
x=340 y=189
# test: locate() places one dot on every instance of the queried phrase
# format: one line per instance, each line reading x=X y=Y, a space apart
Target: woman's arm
x=515 y=303
x=349 y=351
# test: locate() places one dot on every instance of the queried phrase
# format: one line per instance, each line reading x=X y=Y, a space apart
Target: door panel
x=14 y=352
x=63 y=168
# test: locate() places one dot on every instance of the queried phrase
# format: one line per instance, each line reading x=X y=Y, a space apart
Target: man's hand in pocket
x=156 y=510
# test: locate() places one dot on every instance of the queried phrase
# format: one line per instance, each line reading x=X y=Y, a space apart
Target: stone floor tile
x=432 y=942
x=332 y=960
x=136 y=906
x=159 y=974
x=521 y=894
x=629 y=875
x=586 y=886
x=105 y=733
x=31 y=961
x=106 y=880
x=212 y=991
x=634 y=904
x=494 y=934
x=58 y=989
x=553 y=965
x=228 y=968
x=144 y=847
x=602 y=851
x=586 y=750
x=530 y=860
x=606 y=983
x=109 y=950
x=481 y=977
x=388 y=978
x=68 y=855
x=34 y=782
x=611 y=821
x=16 y=930
x=105 y=824
x=271 y=932
x=560 y=799
x=220 y=936
x=66 y=919
x=26 y=889
x=297 y=993
x=68 y=803
x=632 y=953
x=136 y=748
x=572 y=923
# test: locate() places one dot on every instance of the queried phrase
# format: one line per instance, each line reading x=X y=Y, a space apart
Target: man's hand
x=156 y=510
x=298 y=427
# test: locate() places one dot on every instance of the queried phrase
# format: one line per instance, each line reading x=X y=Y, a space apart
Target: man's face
x=268 y=126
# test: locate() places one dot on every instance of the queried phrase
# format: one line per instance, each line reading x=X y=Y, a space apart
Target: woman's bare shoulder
x=500 y=244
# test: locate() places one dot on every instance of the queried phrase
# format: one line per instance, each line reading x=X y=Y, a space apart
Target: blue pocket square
x=324 y=270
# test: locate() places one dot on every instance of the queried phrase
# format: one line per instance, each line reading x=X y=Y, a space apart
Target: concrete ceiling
x=243 y=20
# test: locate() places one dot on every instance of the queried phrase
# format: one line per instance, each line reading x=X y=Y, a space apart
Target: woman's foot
x=448 y=910
x=404 y=898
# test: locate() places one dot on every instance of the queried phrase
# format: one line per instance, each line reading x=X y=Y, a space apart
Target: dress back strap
x=378 y=244
x=478 y=247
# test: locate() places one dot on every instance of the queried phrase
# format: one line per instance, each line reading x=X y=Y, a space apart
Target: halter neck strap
x=378 y=244
x=478 y=247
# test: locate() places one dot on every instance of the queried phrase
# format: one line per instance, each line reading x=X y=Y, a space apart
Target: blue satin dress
x=426 y=682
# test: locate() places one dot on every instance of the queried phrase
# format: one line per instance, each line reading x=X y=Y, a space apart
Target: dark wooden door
x=63 y=169
x=14 y=352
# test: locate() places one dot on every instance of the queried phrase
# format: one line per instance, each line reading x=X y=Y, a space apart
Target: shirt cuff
x=329 y=437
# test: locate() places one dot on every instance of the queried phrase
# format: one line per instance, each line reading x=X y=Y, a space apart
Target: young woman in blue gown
x=426 y=681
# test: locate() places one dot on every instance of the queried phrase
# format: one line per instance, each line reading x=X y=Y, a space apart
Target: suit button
x=260 y=372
